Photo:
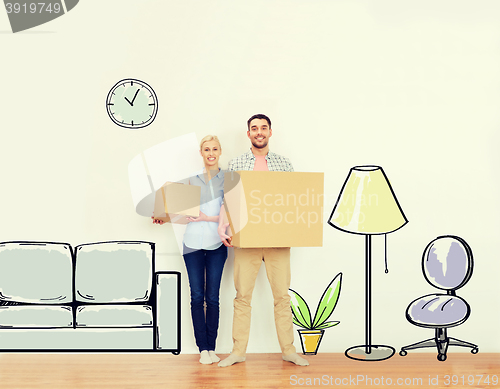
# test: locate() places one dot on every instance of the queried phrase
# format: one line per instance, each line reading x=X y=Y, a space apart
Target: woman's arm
x=204 y=218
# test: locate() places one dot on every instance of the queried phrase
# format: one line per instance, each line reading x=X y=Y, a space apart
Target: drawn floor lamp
x=367 y=206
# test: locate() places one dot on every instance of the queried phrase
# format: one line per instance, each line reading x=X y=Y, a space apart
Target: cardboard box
x=174 y=202
x=275 y=209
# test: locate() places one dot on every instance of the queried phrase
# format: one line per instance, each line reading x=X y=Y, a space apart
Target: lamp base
x=378 y=353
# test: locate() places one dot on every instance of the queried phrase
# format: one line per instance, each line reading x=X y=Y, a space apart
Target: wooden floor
x=259 y=371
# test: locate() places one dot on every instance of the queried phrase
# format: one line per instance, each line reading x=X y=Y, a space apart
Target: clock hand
x=137 y=91
x=132 y=102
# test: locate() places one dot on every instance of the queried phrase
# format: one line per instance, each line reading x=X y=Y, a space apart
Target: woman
x=204 y=254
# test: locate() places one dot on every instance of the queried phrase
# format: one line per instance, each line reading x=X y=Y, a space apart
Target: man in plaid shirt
x=248 y=261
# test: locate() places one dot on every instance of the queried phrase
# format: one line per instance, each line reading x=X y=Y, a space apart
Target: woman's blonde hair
x=209 y=138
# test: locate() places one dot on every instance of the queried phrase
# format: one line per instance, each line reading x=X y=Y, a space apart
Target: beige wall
x=410 y=86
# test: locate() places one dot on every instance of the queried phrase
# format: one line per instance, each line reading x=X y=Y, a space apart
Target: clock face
x=132 y=104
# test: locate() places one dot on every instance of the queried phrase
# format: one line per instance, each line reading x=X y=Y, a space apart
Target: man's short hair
x=259 y=116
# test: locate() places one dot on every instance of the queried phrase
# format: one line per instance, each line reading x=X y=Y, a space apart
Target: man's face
x=259 y=133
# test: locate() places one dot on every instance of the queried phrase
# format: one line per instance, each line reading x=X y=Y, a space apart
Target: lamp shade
x=367 y=204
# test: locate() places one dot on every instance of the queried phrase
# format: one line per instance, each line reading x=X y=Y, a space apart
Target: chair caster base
x=403 y=353
x=441 y=357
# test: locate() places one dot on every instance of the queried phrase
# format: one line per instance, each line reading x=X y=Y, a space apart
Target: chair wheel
x=403 y=353
x=475 y=350
x=441 y=357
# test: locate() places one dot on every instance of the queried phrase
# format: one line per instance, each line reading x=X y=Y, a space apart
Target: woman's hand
x=201 y=218
x=157 y=221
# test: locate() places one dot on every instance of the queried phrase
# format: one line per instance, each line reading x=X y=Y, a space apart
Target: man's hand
x=226 y=239
x=157 y=221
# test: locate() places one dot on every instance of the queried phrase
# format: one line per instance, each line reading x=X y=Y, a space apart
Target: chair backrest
x=447 y=262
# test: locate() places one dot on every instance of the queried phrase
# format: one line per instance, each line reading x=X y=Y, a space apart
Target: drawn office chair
x=447 y=264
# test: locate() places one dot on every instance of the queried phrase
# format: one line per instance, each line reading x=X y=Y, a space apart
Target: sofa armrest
x=167 y=336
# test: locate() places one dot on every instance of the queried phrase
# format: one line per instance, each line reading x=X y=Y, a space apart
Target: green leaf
x=300 y=310
x=326 y=325
x=328 y=301
x=297 y=323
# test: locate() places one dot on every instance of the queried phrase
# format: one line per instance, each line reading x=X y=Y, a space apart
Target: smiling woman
x=203 y=251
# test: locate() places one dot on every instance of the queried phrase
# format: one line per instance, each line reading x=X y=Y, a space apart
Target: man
x=248 y=261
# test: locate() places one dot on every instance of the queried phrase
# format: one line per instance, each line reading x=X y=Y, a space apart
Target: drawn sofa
x=102 y=296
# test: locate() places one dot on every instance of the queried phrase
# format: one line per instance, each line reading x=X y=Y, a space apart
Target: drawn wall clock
x=132 y=104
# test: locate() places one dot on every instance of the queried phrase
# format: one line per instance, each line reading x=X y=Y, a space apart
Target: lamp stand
x=368 y=351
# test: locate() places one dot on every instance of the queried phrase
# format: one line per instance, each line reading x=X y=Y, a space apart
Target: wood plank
x=259 y=371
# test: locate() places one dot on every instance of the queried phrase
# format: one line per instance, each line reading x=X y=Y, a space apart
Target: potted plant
x=313 y=329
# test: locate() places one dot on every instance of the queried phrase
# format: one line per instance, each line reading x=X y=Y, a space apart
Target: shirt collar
x=200 y=173
x=251 y=156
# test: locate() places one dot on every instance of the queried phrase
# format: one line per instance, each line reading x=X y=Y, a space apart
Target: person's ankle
x=213 y=356
x=205 y=358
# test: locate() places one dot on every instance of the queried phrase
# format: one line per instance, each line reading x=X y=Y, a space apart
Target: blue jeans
x=204 y=268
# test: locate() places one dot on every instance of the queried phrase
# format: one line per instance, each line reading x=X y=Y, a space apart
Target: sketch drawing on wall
x=368 y=206
x=173 y=160
x=447 y=264
x=132 y=104
x=94 y=297
x=314 y=327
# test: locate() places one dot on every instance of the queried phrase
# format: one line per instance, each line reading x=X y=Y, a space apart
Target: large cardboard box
x=174 y=202
x=275 y=209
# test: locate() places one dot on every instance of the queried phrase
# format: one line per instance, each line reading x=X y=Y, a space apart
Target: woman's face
x=211 y=152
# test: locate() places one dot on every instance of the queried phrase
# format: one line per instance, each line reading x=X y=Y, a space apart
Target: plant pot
x=310 y=340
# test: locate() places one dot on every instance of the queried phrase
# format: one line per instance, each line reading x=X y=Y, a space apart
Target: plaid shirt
x=275 y=162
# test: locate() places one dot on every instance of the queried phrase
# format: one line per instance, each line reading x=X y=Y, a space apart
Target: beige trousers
x=246 y=266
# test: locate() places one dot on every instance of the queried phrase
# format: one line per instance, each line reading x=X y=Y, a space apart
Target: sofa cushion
x=70 y=339
x=123 y=316
x=114 y=272
x=34 y=272
x=36 y=316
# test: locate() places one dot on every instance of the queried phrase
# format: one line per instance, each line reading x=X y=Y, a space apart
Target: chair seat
x=437 y=311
